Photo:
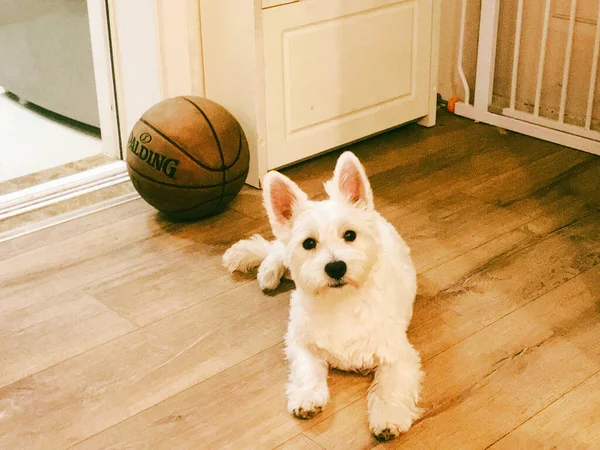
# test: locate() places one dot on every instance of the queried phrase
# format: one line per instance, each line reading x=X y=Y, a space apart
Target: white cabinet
x=307 y=76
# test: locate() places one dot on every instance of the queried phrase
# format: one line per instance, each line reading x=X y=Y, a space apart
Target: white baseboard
x=62 y=189
x=32 y=228
x=527 y=128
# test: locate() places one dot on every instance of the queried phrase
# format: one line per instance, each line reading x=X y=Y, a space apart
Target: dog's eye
x=309 y=244
x=349 y=235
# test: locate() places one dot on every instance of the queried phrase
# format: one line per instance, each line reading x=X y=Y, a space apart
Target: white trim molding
x=103 y=74
x=180 y=47
x=157 y=53
x=62 y=218
x=430 y=119
x=62 y=189
x=136 y=59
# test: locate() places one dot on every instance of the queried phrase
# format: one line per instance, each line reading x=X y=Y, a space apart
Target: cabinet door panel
x=339 y=70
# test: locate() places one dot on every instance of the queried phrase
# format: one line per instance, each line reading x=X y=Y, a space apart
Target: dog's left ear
x=350 y=182
x=282 y=199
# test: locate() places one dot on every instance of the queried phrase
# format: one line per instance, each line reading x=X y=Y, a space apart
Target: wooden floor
x=121 y=330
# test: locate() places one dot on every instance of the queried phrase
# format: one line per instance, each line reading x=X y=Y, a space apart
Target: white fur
x=248 y=254
x=360 y=326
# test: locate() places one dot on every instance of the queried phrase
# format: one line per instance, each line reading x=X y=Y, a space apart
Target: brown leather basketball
x=188 y=157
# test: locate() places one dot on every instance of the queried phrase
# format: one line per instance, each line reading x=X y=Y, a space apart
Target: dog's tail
x=248 y=254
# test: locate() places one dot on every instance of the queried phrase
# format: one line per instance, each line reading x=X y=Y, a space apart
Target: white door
x=340 y=70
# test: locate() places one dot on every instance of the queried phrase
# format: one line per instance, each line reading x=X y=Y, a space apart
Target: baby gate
x=550 y=99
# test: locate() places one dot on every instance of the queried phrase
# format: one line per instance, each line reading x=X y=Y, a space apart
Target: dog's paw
x=386 y=430
x=245 y=255
x=386 y=434
x=304 y=414
x=269 y=275
x=233 y=258
x=388 y=421
x=307 y=404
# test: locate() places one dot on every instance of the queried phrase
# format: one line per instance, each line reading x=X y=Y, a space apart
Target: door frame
x=161 y=58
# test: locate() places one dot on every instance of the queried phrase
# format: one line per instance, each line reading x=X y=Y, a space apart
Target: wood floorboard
x=152 y=288
x=497 y=378
x=80 y=397
x=246 y=413
x=121 y=330
x=69 y=230
x=300 y=442
x=572 y=419
x=39 y=332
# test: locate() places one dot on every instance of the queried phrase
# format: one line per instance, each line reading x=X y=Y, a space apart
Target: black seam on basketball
x=214 y=132
x=179 y=186
x=239 y=150
x=179 y=147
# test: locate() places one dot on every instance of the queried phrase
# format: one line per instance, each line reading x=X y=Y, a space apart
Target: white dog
x=355 y=287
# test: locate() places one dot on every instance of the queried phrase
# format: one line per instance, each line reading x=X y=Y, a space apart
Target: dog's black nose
x=336 y=269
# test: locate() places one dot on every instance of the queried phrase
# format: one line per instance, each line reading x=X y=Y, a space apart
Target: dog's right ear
x=282 y=199
x=350 y=182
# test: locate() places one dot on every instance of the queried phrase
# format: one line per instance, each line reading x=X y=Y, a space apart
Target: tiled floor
x=32 y=141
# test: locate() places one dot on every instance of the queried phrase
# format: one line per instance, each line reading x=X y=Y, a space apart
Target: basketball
x=187 y=157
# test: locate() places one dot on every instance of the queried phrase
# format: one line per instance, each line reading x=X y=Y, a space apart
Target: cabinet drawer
x=339 y=70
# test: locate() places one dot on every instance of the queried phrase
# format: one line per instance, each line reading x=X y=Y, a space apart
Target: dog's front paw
x=269 y=275
x=236 y=258
x=306 y=404
x=388 y=421
x=305 y=414
x=386 y=434
x=246 y=254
